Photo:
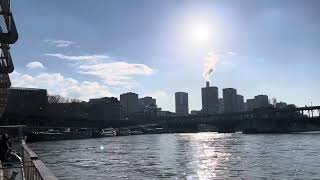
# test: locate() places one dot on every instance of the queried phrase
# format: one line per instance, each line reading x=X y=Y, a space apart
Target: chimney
x=207 y=84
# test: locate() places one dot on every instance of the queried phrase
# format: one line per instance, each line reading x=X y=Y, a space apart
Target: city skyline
x=158 y=56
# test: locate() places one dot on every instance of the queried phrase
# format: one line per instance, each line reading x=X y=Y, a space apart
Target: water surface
x=185 y=156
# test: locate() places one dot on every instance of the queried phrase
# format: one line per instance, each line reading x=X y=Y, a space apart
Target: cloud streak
x=35 y=65
x=111 y=72
x=59 y=43
x=116 y=73
x=78 y=58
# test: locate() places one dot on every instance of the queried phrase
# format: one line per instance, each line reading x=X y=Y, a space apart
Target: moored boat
x=54 y=135
x=106 y=132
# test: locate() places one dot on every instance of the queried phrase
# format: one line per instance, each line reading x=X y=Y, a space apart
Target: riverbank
x=57 y=134
x=35 y=135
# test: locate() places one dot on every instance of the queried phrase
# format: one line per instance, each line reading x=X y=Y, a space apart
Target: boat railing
x=33 y=167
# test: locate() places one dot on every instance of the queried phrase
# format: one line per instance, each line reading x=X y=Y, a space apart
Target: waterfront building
x=182 y=105
x=151 y=112
x=281 y=105
x=76 y=110
x=250 y=104
x=261 y=101
x=164 y=114
x=291 y=106
x=104 y=109
x=220 y=106
x=209 y=99
x=230 y=100
x=240 y=103
x=145 y=102
x=195 y=112
x=27 y=102
x=129 y=103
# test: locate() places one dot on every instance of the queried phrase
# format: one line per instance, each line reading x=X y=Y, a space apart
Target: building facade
x=230 y=100
x=104 y=109
x=240 y=103
x=210 y=102
x=221 y=106
x=27 y=102
x=129 y=103
x=250 y=104
x=281 y=105
x=261 y=101
x=146 y=102
x=182 y=104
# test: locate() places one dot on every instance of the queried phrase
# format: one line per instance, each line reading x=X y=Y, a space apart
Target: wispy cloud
x=59 y=43
x=56 y=83
x=111 y=72
x=232 y=53
x=78 y=58
x=116 y=73
x=35 y=65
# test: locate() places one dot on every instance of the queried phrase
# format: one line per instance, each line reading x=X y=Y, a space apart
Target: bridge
x=265 y=120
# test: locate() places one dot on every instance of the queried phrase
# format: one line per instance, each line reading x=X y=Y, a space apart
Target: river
x=185 y=156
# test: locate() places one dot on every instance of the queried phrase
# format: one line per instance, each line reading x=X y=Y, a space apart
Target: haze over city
x=157 y=48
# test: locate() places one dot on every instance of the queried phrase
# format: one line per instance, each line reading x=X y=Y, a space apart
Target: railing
x=34 y=169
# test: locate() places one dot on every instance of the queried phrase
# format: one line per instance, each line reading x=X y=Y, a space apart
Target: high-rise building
x=145 y=102
x=230 y=100
x=261 y=101
x=250 y=104
x=240 y=103
x=209 y=99
x=221 y=106
x=129 y=103
x=182 y=105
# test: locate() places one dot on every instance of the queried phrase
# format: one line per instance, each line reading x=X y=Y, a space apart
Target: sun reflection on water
x=208 y=154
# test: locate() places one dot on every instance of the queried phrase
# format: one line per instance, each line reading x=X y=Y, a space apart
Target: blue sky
x=85 y=49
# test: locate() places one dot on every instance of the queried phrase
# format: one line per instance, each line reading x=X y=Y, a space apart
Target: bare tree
x=274 y=101
x=60 y=99
x=57 y=99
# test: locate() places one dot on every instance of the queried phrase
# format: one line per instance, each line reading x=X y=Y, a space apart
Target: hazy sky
x=93 y=48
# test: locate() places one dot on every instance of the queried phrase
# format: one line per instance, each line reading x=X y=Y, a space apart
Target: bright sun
x=200 y=33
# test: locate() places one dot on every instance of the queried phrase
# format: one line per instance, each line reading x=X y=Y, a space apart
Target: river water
x=185 y=156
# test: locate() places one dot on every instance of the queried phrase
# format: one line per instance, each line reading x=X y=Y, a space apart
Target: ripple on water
x=184 y=156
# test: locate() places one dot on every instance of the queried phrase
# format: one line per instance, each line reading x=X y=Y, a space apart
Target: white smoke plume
x=209 y=65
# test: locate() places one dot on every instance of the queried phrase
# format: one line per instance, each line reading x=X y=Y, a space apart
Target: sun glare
x=200 y=33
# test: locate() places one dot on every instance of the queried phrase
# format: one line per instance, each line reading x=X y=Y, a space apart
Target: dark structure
x=263 y=120
x=129 y=103
x=68 y=110
x=230 y=100
x=104 y=109
x=250 y=105
x=145 y=102
x=8 y=35
x=261 y=101
x=210 y=101
x=240 y=103
x=182 y=104
x=27 y=102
